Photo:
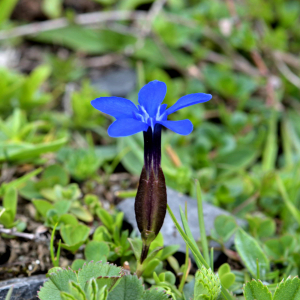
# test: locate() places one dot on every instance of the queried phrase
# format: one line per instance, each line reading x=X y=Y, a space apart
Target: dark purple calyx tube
x=151 y=198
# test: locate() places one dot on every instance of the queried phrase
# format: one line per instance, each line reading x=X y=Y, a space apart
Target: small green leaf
x=106 y=219
x=136 y=246
x=78 y=264
x=150 y=267
x=224 y=269
x=10 y=200
x=255 y=290
x=74 y=236
x=250 y=251
x=42 y=206
x=96 y=251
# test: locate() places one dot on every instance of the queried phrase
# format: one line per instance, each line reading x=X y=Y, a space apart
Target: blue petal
x=115 y=106
x=188 y=100
x=183 y=127
x=152 y=95
x=163 y=108
x=125 y=127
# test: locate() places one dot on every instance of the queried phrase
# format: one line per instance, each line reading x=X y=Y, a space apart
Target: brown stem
x=144 y=252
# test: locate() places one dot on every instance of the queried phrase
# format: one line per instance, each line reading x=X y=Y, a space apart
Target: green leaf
x=10 y=200
x=155 y=294
x=74 y=236
x=255 y=290
x=150 y=267
x=106 y=219
x=104 y=273
x=226 y=277
x=8 y=295
x=42 y=206
x=54 y=174
x=66 y=296
x=96 y=251
x=52 y=8
x=6 y=8
x=59 y=281
x=129 y=288
x=68 y=219
x=288 y=289
x=78 y=264
x=136 y=246
x=225 y=226
x=168 y=251
x=250 y=251
x=29 y=151
x=81 y=212
x=10 y=205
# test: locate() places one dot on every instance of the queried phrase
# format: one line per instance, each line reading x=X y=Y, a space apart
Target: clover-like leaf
x=96 y=251
x=74 y=236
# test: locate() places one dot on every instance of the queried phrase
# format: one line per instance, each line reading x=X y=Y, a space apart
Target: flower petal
x=188 y=100
x=115 y=106
x=152 y=95
x=183 y=127
x=125 y=127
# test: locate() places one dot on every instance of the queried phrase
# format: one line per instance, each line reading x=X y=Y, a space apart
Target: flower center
x=144 y=116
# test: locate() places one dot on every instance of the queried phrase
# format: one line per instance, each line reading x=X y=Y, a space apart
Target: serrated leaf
x=154 y=294
x=250 y=251
x=58 y=282
x=129 y=288
x=106 y=274
x=288 y=289
x=255 y=290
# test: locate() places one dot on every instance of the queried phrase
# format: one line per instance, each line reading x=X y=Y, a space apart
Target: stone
x=169 y=231
x=24 y=288
x=117 y=82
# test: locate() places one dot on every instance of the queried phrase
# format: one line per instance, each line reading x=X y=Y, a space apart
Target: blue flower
x=131 y=119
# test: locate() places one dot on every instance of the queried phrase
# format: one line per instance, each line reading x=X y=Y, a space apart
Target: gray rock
x=169 y=231
x=24 y=288
x=117 y=82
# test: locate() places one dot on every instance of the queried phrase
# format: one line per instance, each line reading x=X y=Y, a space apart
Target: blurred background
x=58 y=55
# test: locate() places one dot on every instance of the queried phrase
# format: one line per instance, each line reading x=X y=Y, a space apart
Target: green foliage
x=252 y=255
x=21 y=140
x=98 y=281
x=227 y=278
x=9 y=210
x=22 y=91
x=225 y=226
x=6 y=8
x=288 y=289
x=74 y=236
x=255 y=290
